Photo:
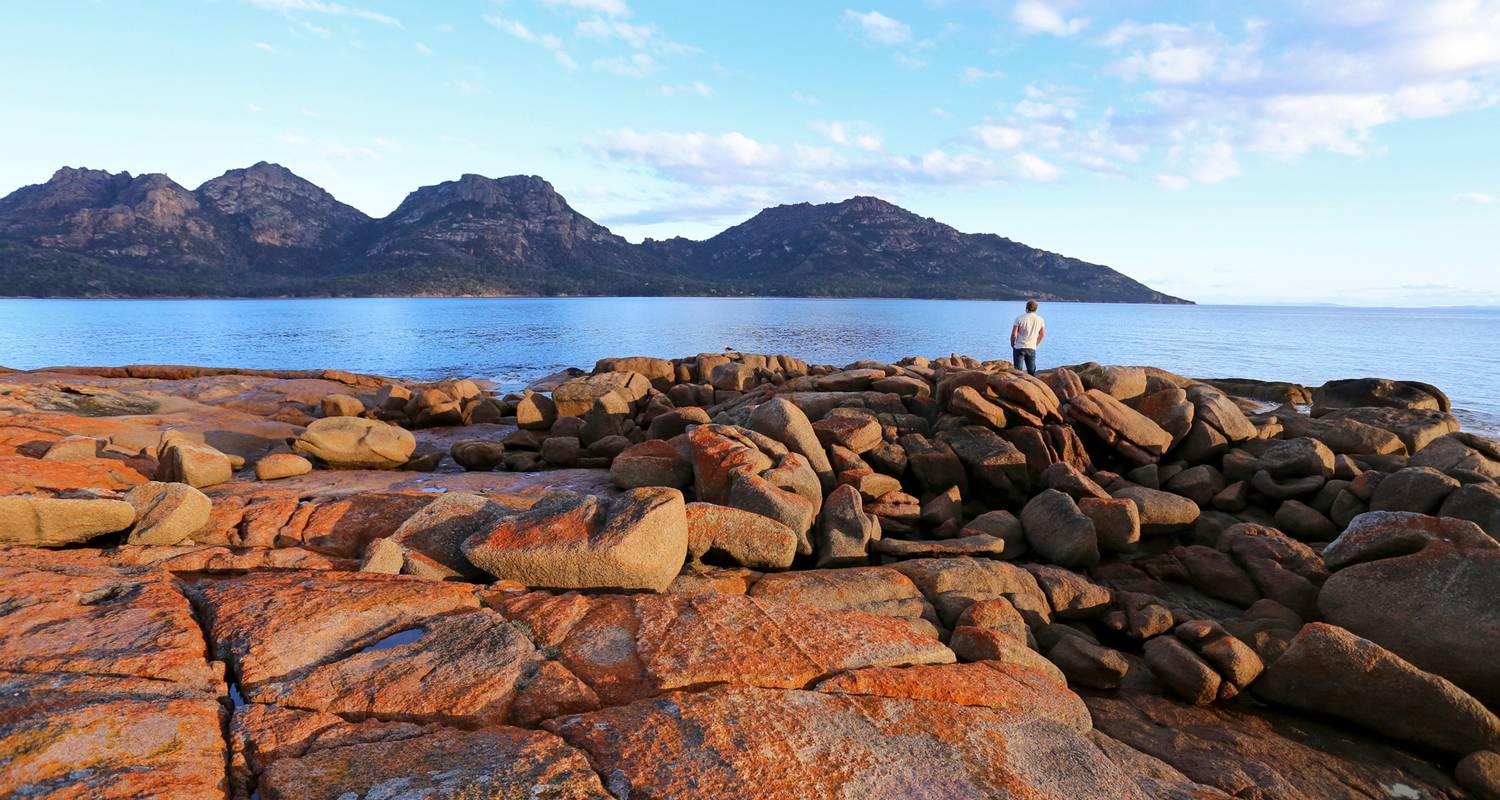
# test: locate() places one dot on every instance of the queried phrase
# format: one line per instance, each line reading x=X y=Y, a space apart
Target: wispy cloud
x=644 y=36
x=698 y=88
x=861 y=135
x=264 y=47
x=703 y=160
x=1037 y=16
x=877 y=27
x=548 y=41
x=1036 y=168
x=999 y=137
x=1475 y=198
x=975 y=74
x=608 y=8
x=638 y=65
x=330 y=9
x=804 y=99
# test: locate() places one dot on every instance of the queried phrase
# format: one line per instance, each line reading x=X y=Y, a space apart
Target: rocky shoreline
x=743 y=576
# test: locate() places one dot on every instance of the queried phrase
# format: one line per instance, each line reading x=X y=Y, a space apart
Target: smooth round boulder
x=1479 y=772
x=1117 y=522
x=1160 y=512
x=167 y=513
x=72 y=448
x=783 y=421
x=477 y=455
x=1001 y=525
x=637 y=541
x=281 y=465
x=356 y=443
x=341 y=405
x=1433 y=604
x=1057 y=532
x=1328 y=670
x=742 y=537
x=1419 y=489
x=53 y=522
x=197 y=465
x=535 y=412
x=1182 y=670
x=1297 y=458
x=651 y=463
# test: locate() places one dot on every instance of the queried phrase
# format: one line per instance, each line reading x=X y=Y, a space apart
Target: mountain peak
x=264 y=229
x=274 y=207
x=528 y=194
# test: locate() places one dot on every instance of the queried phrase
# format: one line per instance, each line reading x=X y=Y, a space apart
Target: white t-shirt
x=1028 y=330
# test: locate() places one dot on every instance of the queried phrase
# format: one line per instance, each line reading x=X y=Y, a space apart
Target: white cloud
x=638 y=36
x=637 y=65
x=1035 y=168
x=975 y=74
x=1180 y=55
x=861 y=135
x=609 y=8
x=1290 y=125
x=1040 y=109
x=264 y=47
x=1035 y=16
x=698 y=88
x=796 y=171
x=999 y=137
x=940 y=166
x=805 y=99
x=877 y=27
x=1475 y=198
x=545 y=40
x=940 y=112
x=423 y=49
x=320 y=7
x=693 y=151
x=1431 y=37
x=1214 y=162
x=1168 y=64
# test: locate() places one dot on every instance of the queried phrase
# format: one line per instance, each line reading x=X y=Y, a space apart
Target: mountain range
x=264 y=231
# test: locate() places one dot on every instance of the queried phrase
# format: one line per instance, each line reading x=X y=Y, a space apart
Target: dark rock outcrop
x=263 y=230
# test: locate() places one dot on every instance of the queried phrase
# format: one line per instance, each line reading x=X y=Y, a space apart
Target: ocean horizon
x=514 y=340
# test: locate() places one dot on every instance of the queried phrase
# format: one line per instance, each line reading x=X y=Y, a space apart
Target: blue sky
x=1340 y=151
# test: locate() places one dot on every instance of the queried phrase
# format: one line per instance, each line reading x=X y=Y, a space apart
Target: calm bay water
x=512 y=340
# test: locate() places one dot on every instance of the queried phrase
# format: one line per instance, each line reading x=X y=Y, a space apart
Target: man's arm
x=1014 y=331
x=1041 y=335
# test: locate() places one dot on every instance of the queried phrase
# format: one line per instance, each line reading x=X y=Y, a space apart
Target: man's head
x=1030 y=305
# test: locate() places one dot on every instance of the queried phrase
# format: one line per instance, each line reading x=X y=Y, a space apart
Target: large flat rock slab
x=26 y=475
x=629 y=647
x=66 y=735
x=738 y=742
x=1266 y=755
x=71 y=612
x=271 y=625
x=496 y=763
x=459 y=669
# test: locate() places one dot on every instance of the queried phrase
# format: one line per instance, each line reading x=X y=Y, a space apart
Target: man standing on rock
x=1025 y=336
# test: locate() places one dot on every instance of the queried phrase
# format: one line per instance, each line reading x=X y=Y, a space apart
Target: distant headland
x=264 y=231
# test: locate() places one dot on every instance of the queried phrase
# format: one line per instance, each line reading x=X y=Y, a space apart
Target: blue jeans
x=1026 y=354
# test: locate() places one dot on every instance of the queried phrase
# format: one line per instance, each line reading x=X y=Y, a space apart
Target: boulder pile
x=746 y=576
